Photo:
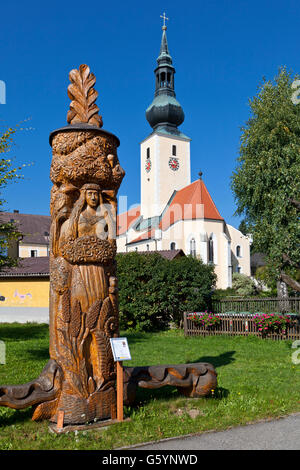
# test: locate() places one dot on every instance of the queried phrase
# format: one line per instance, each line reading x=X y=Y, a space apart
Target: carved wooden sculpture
x=79 y=379
x=192 y=380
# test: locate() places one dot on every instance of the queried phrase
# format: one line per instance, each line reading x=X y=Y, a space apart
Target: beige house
x=174 y=212
x=35 y=230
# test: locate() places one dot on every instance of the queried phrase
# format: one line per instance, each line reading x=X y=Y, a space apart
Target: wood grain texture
x=83 y=96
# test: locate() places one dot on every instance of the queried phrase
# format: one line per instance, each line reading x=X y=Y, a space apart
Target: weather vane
x=163 y=16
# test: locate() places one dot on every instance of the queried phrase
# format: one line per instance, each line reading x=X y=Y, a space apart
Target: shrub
x=154 y=291
x=243 y=285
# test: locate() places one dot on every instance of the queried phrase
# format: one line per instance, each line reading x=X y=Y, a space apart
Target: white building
x=174 y=212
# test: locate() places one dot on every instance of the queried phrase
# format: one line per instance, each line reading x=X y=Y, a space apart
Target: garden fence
x=254 y=305
x=235 y=324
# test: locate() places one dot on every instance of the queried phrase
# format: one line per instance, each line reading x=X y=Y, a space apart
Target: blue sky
x=220 y=49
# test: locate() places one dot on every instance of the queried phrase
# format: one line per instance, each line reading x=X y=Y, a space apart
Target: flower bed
x=267 y=323
x=205 y=319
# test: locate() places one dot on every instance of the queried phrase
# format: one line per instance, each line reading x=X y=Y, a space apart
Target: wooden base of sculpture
x=95 y=426
x=191 y=380
x=45 y=393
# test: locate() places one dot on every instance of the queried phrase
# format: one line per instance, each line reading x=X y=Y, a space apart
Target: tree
x=154 y=291
x=266 y=181
x=8 y=230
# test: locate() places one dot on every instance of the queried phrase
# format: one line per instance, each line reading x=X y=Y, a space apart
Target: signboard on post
x=120 y=349
x=121 y=353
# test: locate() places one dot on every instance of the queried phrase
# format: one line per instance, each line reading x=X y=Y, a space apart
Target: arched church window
x=238 y=251
x=147 y=246
x=210 y=249
x=173 y=246
x=193 y=247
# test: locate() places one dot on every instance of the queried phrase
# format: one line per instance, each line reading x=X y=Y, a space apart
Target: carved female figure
x=87 y=314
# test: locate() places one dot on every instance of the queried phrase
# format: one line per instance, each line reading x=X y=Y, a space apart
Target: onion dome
x=165 y=112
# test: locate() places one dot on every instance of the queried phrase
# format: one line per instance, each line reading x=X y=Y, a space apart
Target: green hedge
x=154 y=291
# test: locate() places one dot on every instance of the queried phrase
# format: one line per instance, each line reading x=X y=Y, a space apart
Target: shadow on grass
x=218 y=361
x=17 y=417
x=38 y=354
x=17 y=332
x=169 y=393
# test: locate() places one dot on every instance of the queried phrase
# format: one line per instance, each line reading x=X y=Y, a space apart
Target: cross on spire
x=163 y=16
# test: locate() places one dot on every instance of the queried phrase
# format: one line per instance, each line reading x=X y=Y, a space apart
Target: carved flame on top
x=83 y=96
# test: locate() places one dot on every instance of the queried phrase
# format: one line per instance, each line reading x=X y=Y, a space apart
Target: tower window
x=168 y=79
x=174 y=150
x=163 y=79
x=148 y=152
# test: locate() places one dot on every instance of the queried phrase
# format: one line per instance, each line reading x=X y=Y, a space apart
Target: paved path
x=278 y=434
x=24 y=314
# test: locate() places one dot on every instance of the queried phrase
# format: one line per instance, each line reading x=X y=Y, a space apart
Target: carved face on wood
x=92 y=198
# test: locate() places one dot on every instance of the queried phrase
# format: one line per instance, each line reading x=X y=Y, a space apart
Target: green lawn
x=256 y=379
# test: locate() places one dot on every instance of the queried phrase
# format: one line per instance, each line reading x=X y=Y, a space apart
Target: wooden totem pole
x=79 y=379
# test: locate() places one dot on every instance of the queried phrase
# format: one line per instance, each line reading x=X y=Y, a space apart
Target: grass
x=256 y=380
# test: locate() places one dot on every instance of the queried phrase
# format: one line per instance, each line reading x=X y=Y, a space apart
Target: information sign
x=120 y=349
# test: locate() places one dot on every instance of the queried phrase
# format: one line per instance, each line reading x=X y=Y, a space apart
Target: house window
x=173 y=246
x=238 y=251
x=238 y=269
x=210 y=250
x=174 y=150
x=193 y=247
x=33 y=253
x=148 y=152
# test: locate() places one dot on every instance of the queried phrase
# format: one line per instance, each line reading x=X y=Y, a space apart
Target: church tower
x=165 y=153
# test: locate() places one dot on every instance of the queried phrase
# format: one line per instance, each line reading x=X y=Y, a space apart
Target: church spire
x=165 y=113
x=164 y=55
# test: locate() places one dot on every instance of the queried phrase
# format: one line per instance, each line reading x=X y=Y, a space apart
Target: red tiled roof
x=191 y=202
x=145 y=236
x=125 y=219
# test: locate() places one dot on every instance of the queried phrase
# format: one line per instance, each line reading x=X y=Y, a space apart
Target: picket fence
x=235 y=324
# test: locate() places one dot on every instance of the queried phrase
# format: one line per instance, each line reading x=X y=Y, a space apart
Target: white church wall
x=121 y=244
x=240 y=257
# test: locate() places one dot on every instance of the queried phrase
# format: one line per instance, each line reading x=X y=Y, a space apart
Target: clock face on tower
x=148 y=165
x=174 y=163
